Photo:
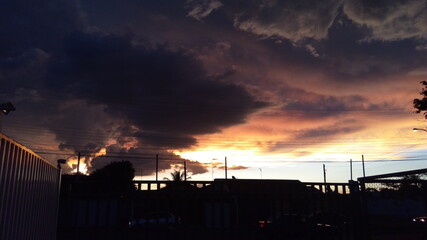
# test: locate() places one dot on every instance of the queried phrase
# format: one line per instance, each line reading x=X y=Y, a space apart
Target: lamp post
x=225 y=168
x=58 y=189
x=419 y=129
x=5 y=109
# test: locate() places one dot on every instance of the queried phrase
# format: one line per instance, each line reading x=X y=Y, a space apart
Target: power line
x=222 y=140
x=262 y=159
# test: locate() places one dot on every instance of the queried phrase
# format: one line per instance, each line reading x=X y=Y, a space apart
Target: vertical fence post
x=157 y=167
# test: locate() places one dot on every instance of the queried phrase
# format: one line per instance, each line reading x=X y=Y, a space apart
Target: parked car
x=327 y=225
x=420 y=220
x=156 y=220
x=288 y=226
x=261 y=223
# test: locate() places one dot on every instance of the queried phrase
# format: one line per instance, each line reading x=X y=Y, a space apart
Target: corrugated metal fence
x=29 y=188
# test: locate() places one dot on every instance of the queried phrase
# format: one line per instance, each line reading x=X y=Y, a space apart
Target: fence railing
x=152 y=185
x=29 y=188
x=341 y=188
x=391 y=205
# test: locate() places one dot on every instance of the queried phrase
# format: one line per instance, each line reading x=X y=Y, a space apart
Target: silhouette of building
x=220 y=209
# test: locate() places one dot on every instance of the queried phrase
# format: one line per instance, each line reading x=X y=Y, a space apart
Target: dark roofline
x=254 y=180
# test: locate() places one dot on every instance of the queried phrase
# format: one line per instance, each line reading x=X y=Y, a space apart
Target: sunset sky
x=278 y=87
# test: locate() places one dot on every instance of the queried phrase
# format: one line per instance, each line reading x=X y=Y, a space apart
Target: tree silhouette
x=176 y=176
x=115 y=171
x=421 y=104
x=115 y=177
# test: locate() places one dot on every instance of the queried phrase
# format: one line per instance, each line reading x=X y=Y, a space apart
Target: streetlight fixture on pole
x=225 y=167
x=185 y=170
x=58 y=189
x=5 y=109
x=419 y=129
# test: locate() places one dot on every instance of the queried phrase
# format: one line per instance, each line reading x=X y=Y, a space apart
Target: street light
x=61 y=161
x=419 y=129
x=5 y=108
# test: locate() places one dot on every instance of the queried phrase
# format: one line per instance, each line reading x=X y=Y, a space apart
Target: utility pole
x=324 y=174
x=324 y=179
x=185 y=170
x=78 y=163
x=363 y=166
x=225 y=167
x=351 y=169
x=157 y=167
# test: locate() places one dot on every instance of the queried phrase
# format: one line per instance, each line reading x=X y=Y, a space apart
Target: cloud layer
x=293 y=20
x=144 y=78
x=390 y=20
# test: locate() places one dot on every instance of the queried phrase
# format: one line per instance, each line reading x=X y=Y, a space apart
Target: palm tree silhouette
x=177 y=176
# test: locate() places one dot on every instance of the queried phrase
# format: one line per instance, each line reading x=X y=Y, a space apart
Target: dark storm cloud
x=27 y=24
x=165 y=94
x=105 y=87
x=25 y=70
x=32 y=34
x=158 y=73
x=344 y=38
x=348 y=56
x=376 y=39
x=327 y=37
x=76 y=125
x=82 y=127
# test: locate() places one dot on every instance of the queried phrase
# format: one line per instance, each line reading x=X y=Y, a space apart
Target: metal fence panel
x=392 y=203
x=28 y=193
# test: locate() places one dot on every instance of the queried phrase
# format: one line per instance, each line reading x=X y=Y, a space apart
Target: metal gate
x=395 y=205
